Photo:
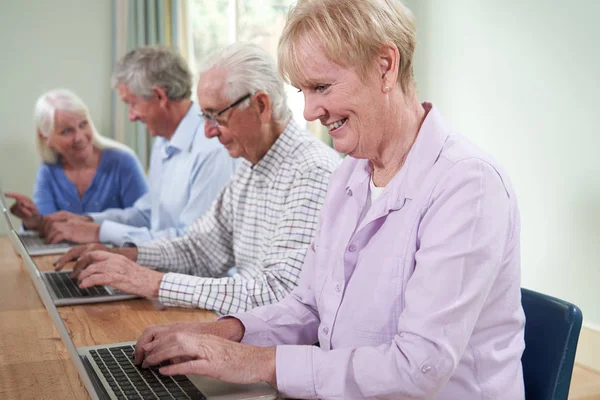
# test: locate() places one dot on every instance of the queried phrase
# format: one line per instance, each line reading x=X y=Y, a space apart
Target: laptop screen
x=46 y=298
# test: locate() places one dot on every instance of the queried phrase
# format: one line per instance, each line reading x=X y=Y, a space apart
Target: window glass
x=217 y=23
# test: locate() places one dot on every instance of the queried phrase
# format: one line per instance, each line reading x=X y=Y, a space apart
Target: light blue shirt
x=186 y=174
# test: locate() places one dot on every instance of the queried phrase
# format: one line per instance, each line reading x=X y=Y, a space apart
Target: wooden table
x=34 y=363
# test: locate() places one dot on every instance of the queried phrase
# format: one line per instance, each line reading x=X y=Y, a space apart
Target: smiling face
x=147 y=111
x=239 y=128
x=72 y=136
x=346 y=104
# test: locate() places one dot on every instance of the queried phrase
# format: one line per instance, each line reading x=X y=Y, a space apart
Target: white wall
x=44 y=45
x=522 y=80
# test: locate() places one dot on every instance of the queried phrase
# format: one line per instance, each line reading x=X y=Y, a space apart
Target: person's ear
x=388 y=61
x=263 y=106
x=161 y=95
x=42 y=137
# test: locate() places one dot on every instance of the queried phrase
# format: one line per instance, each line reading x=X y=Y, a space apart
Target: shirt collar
x=185 y=132
x=422 y=156
x=426 y=150
x=268 y=166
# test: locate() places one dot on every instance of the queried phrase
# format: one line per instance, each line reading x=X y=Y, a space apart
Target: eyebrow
x=311 y=84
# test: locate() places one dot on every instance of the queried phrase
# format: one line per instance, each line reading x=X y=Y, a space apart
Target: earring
x=386 y=89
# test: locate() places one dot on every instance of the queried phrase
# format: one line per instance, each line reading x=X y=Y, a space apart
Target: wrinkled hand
x=76 y=231
x=25 y=209
x=120 y=273
x=228 y=328
x=207 y=355
x=60 y=216
x=80 y=254
x=150 y=333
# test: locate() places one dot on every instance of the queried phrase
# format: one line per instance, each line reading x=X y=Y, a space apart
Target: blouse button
x=352 y=248
x=338 y=287
x=326 y=330
x=426 y=368
x=349 y=192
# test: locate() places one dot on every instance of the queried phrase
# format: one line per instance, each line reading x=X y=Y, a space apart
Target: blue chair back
x=551 y=333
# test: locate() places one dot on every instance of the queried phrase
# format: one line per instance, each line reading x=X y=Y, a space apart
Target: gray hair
x=250 y=69
x=150 y=66
x=45 y=112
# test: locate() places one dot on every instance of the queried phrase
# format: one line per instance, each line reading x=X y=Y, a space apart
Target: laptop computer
x=32 y=240
x=63 y=289
x=108 y=372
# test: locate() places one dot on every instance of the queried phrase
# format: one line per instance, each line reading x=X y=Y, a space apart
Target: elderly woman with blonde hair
x=412 y=284
x=81 y=170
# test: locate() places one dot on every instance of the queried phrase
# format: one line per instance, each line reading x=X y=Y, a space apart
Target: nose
x=78 y=136
x=132 y=115
x=210 y=131
x=313 y=109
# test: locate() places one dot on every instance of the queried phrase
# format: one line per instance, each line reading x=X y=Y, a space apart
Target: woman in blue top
x=81 y=170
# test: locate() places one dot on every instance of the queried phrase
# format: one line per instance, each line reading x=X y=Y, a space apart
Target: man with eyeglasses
x=262 y=221
x=187 y=169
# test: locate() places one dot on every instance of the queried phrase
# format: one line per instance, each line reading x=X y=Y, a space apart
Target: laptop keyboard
x=66 y=287
x=129 y=381
x=36 y=243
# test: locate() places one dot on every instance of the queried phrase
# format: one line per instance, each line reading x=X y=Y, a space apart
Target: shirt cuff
x=177 y=290
x=295 y=373
x=256 y=331
x=149 y=256
x=113 y=232
x=97 y=217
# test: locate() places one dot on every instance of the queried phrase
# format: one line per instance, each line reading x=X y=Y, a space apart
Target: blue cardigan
x=119 y=181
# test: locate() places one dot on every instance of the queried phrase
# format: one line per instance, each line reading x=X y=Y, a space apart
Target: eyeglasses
x=213 y=118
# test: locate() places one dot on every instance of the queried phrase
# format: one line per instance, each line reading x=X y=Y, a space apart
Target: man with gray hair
x=187 y=169
x=263 y=220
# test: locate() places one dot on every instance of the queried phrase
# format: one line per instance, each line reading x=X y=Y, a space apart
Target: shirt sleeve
x=117 y=225
x=280 y=265
x=119 y=233
x=205 y=249
x=266 y=326
x=43 y=193
x=463 y=235
x=209 y=176
x=133 y=182
x=133 y=226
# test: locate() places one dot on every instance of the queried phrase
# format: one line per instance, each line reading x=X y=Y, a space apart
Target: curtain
x=139 y=23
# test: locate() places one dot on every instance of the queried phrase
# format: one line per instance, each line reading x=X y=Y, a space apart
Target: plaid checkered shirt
x=262 y=223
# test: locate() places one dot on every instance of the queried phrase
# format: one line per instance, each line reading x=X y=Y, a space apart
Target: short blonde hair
x=351 y=32
x=45 y=112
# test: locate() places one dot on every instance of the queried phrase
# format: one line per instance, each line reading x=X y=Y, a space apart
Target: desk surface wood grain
x=34 y=362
